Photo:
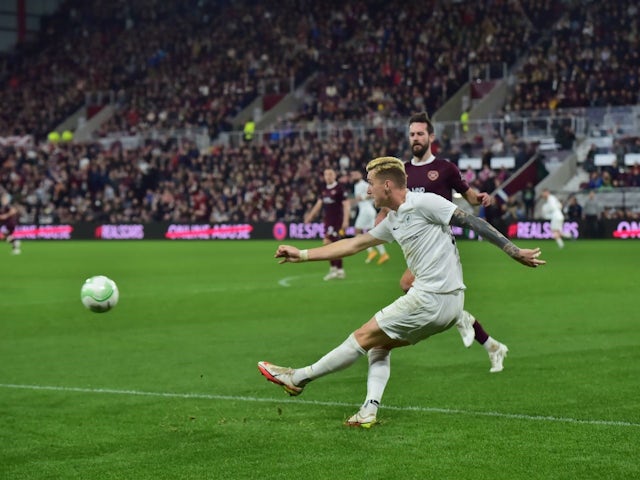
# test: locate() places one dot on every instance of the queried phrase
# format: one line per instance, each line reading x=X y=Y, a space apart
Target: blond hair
x=389 y=168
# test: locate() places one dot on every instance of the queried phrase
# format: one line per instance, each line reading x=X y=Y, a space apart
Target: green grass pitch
x=165 y=386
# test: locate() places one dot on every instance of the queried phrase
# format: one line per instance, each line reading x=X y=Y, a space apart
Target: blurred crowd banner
x=535 y=229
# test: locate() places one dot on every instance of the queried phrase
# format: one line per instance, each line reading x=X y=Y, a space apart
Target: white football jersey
x=552 y=208
x=365 y=203
x=421 y=228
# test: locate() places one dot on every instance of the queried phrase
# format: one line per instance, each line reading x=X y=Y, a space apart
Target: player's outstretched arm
x=331 y=251
x=10 y=213
x=477 y=198
x=314 y=211
x=525 y=256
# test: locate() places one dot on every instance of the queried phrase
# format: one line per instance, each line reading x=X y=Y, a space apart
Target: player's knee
x=406 y=282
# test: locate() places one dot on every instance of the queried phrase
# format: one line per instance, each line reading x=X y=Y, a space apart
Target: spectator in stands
x=464 y=120
x=589 y=164
x=607 y=182
x=249 y=130
x=502 y=175
x=634 y=176
x=565 y=137
x=513 y=212
x=592 y=210
x=466 y=147
x=521 y=156
x=446 y=149
x=485 y=177
x=344 y=162
x=529 y=200
x=497 y=147
x=199 y=204
x=574 y=210
x=469 y=176
x=595 y=180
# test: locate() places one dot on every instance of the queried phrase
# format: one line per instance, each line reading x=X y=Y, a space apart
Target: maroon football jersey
x=10 y=222
x=332 y=199
x=440 y=177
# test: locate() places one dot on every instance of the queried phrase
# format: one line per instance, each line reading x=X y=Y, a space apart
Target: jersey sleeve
x=344 y=193
x=382 y=231
x=458 y=183
x=436 y=209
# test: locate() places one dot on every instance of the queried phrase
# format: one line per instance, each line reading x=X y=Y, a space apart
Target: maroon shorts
x=332 y=233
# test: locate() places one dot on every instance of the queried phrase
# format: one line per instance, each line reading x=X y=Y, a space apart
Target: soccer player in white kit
x=420 y=223
x=552 y=211
x=366 y=218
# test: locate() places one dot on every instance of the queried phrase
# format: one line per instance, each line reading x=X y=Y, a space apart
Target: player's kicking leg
x=280 y=376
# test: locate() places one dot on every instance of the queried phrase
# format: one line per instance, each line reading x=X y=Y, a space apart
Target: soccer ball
x=99 y=294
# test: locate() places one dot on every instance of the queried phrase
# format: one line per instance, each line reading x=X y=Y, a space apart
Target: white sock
x=381 y=249
x=341 y=357
x=370 y=249
x=379 y=373
x=491 y=345
x=560 y=242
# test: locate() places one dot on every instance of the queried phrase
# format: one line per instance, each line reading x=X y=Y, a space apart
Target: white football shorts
x=556 y=223
x=419 y=315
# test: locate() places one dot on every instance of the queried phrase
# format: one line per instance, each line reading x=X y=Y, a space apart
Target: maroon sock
x=481 y=336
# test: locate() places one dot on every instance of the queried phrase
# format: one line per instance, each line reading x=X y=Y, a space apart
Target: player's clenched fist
x=290 y=254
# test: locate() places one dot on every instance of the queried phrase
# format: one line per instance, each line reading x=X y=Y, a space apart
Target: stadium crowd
x=197 y=63
x=617 y=174
x=391 y=69
x=589 y=59
x=171 y=182
x=176 y=64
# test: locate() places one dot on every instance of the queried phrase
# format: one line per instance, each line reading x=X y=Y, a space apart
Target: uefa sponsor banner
x=235 y=231
x=540 y=230
x=175 y=231
x=126 y=231
x=316 y=231
x=303 y=231
x=43 y=232
x=627 y=229
x=281 y=231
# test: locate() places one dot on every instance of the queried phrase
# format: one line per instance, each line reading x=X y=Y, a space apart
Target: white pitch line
x=286 y=281
x=204 y=396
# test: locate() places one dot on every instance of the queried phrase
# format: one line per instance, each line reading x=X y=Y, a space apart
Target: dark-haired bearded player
x=428 y=173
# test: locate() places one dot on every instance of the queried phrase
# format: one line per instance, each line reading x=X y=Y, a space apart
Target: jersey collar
x=418 y=163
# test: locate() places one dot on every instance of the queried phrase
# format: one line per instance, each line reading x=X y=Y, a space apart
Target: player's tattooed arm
x=487 y=231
